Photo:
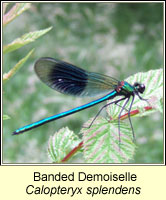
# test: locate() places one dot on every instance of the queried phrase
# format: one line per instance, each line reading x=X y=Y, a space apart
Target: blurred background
x=116 y=39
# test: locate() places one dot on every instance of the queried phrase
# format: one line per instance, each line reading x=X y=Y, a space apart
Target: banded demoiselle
x=69 y=79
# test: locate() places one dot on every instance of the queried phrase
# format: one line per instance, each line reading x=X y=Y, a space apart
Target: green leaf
x=25 y=39
x=15 y=11
x=153 y=81
x=5 y=117
x=61 y=144
x=8 y=75
x=101 y=142
x=4 y=7
x=160 y=105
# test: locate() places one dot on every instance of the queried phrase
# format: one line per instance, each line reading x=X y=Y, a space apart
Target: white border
x=82 y=164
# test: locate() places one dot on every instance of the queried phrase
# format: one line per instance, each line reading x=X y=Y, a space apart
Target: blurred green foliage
x=117 y=39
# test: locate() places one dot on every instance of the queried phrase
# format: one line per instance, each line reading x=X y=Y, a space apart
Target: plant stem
x=72 y=152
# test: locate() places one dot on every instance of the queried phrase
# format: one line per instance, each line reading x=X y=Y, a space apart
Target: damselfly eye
x=139 y=87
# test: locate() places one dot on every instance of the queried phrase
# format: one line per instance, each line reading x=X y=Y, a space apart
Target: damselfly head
x=139 y=87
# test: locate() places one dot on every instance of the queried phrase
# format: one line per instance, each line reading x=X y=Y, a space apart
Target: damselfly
x=69 y=79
